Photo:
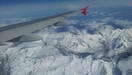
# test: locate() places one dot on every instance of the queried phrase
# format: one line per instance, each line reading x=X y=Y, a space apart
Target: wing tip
x=84 y=10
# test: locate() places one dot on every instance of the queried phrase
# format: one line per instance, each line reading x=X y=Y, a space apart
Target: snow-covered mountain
x=83 y=46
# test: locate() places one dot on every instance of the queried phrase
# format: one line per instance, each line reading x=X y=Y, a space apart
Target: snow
x=124 y=65
x=45 y=58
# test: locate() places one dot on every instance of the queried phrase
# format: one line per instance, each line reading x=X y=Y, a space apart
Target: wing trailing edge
x=26 y=38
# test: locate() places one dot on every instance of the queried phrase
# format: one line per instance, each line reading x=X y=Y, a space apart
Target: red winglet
x=84 y=10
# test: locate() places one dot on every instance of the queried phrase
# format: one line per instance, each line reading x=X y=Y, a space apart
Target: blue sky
x=94 y=2
x=29 y=8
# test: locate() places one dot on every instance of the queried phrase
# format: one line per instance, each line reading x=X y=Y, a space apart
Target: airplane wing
x=21 y=31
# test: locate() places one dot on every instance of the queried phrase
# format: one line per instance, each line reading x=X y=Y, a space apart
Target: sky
x=73 y=2
x=28 y=8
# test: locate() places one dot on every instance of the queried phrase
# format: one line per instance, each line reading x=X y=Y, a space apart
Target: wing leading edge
x=18 y=30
